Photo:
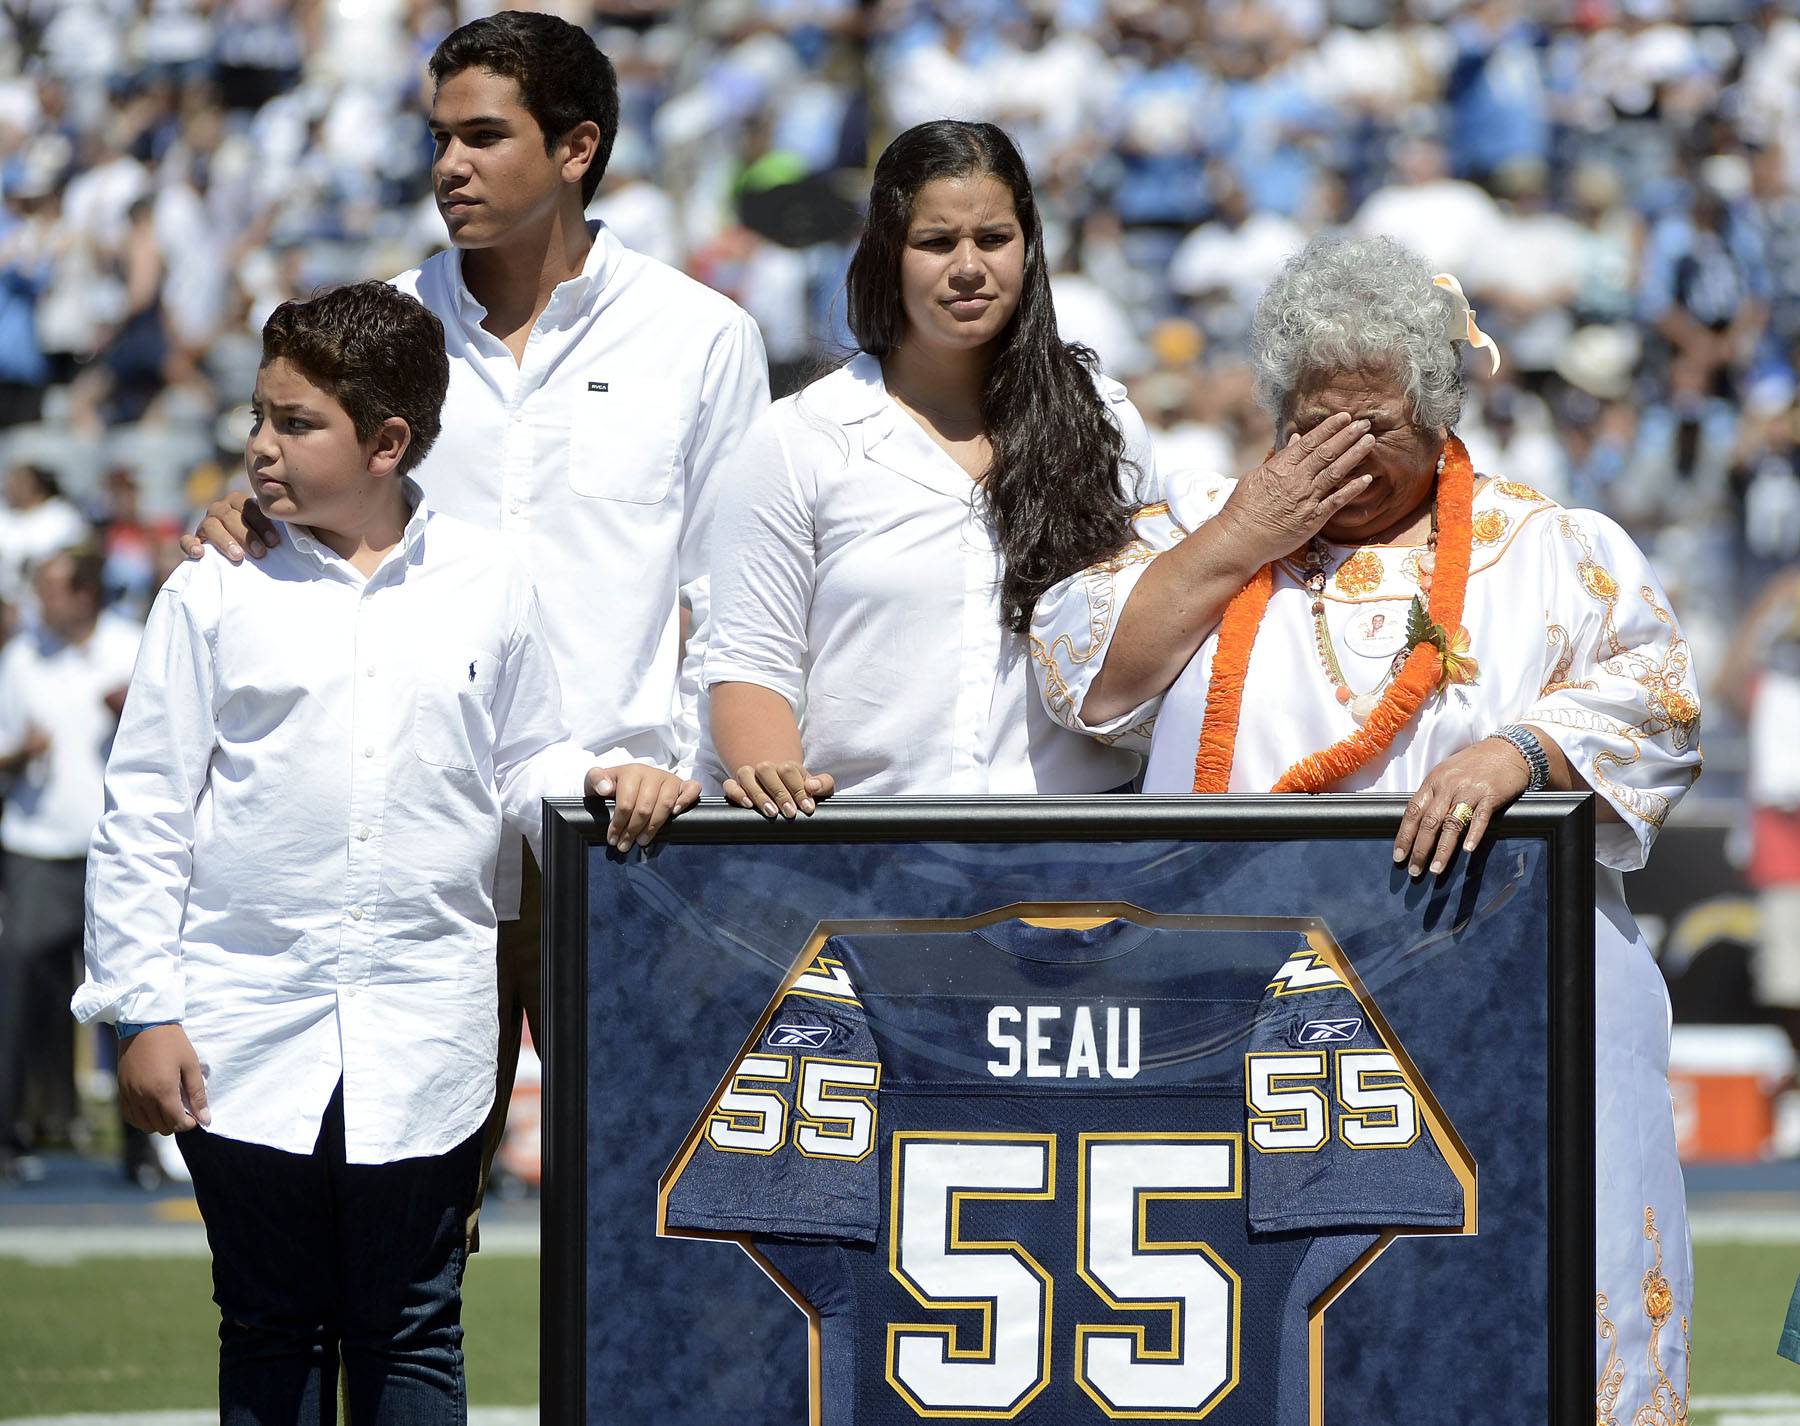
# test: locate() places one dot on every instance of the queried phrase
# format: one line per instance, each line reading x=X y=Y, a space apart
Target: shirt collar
x=854 y=392
x=576 y=294
x=304 y=543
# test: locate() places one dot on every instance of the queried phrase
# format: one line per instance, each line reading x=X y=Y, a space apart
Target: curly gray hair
x=1344 y=303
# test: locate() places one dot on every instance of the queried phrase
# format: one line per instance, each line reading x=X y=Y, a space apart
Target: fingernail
x=768 y=809
x=195 y=554
x=236 y=552
x=806 y=804
x=1399 y=856
x=1436 y=867
x=1412 y=870
x=787 y=809
x=256 y=547
x=1469 y=845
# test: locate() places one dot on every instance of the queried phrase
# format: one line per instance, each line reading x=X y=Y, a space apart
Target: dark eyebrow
x=491 y=121
x=939 y=230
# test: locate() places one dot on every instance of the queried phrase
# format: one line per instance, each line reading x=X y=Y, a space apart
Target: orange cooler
x=1725 y=1080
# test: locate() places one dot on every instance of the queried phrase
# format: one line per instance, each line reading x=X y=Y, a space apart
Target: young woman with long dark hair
x=882 y=535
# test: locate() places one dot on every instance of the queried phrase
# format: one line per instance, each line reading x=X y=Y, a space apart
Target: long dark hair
x=1052 y=492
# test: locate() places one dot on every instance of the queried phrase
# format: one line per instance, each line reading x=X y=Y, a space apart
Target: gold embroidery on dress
x=1667 y=1406
x=1672 y=707
x=1518 y=490
x=1561 y=648
x=1360 y=573
x=1612 y=1373
x=1489 y=527
x=1097 y=584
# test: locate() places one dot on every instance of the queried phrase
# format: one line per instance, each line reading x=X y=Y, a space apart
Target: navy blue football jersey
x=1064 y=1176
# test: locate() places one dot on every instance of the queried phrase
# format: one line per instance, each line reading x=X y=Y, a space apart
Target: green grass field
x=116 y=1335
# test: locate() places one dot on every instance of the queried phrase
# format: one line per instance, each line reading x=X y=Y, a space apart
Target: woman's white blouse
x=854 y=574
x=1570 y=627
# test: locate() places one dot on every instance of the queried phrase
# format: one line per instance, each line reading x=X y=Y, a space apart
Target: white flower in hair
x=1462 y=322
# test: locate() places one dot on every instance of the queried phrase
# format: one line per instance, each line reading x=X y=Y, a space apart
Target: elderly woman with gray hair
x=1400 y=623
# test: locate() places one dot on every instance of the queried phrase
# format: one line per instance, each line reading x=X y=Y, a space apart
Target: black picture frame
x=1562 y=822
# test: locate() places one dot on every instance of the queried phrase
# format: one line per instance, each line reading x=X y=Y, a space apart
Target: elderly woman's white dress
x=1575 y=637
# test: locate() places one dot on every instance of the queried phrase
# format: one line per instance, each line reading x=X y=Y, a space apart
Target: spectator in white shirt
x=62 y=682
x=593 y=395
x=36 y=522
x=290 y=893
x=883 y=533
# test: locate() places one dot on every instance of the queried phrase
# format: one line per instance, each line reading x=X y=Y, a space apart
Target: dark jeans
x=40 y=955
x=313 y=1257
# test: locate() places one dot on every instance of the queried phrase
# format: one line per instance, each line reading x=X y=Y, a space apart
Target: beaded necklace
x=1361 y=705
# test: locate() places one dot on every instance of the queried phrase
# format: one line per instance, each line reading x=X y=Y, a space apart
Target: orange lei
x=1406 y=694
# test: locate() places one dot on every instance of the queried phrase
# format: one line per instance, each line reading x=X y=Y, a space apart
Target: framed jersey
x=1066 y=1111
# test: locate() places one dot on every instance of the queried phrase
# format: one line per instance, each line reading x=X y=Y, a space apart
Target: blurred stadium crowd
x=1615 y=182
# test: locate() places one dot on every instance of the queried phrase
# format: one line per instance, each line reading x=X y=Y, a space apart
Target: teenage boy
x=290 y=893
x=594 y=395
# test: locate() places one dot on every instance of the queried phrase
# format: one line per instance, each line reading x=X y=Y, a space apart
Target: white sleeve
x=1617 y=690
x=763 y=566
x=534 y=755
x=141 y=855
x=735 y=391
x=12 y=690
x=1138 y=477
x=1073 y=624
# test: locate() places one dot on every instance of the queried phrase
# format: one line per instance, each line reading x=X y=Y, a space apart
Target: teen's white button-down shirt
x=596 y=458
x=303 y=811
x=856 y=576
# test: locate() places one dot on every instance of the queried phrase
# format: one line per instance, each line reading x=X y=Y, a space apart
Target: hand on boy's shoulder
x=234 y=525
x=644 y=799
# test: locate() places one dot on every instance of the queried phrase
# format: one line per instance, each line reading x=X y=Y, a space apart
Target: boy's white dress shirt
x=62 y=689
x=858 y=577
x=303 y=810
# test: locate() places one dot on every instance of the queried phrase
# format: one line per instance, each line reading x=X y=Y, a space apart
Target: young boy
x=290 y=893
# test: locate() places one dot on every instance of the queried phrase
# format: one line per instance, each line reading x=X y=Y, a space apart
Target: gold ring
x=1462 y=814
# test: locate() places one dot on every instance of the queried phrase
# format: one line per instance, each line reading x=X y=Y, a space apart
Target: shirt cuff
x=127 y=1029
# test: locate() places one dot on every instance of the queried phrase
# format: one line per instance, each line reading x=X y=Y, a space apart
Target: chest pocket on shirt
x=453 y=720
x=625 y=441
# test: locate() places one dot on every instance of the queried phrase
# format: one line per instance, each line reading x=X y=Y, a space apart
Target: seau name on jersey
x=1041 y=1042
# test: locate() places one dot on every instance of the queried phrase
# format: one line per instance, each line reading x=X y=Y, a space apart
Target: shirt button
x=370 y=670
x=368 y=750
x=515 y=506
x=362 y=834
x=356 y=913
x=350 y=993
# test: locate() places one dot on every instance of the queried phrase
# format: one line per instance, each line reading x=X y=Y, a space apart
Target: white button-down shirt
x=857 y=577
x=60 y=689
x=303 y=811
x=595 y=457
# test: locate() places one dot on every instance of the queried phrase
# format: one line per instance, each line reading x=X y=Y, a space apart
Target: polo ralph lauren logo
x=596 y=386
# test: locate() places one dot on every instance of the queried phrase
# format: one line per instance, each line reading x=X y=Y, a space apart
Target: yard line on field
x=60 y=1246
x=1758 y=1418
x=1767 y=1401
x=1749 y=1226
x=478 y=1416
